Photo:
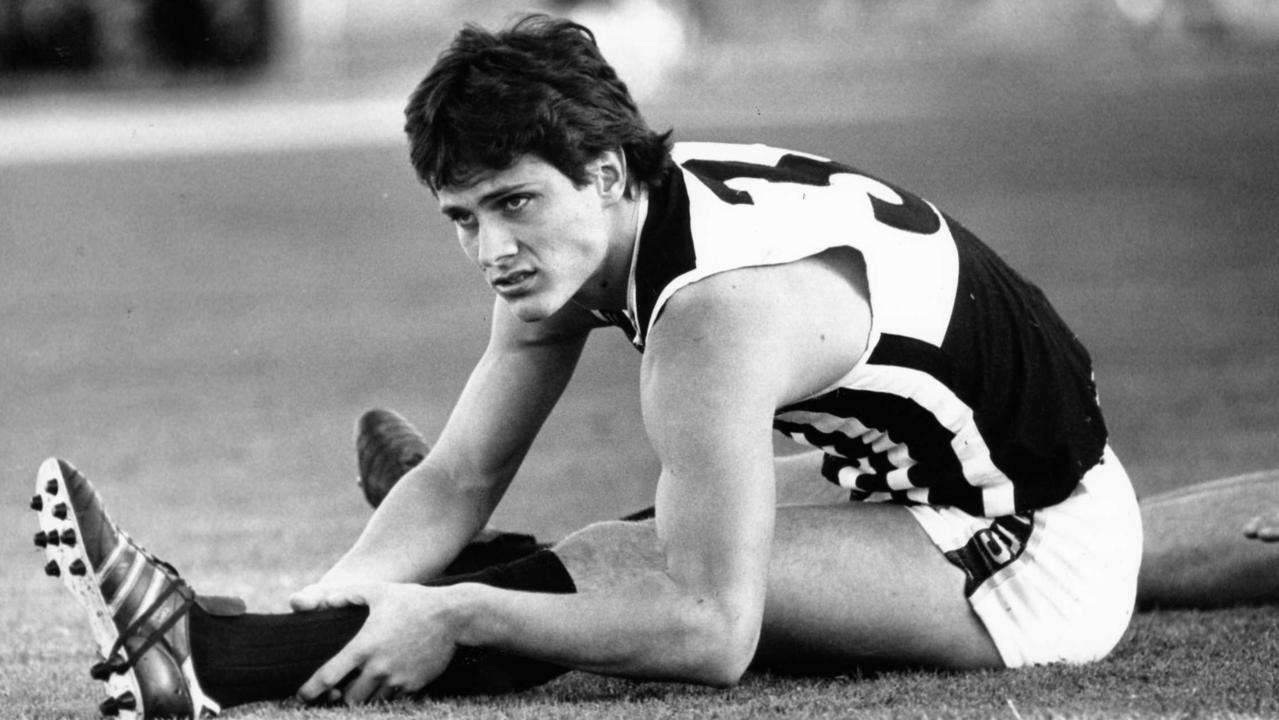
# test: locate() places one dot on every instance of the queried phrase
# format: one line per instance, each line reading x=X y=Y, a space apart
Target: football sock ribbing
x=252 y=657
x=255 y=657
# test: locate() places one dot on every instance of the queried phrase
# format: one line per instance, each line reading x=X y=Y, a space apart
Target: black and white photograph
x=639 y=358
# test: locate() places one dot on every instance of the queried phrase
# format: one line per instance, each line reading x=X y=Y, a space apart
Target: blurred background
x=661 y=46
x=687 y=60
x=140 y=43
x=214 y=254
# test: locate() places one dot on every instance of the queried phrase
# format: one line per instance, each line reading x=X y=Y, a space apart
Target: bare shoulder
x=806 y=322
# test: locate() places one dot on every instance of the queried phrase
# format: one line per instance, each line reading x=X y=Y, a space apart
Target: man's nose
x=495 y=243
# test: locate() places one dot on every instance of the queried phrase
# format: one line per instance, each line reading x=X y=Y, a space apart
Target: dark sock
x=540 y=571
x=508 y=547
x=252 y=657
x=645 y=514
x=505 y=548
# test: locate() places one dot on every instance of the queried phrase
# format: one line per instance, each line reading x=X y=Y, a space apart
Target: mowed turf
x=199 y=335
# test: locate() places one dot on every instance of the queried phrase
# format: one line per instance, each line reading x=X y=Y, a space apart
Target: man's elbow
x=721 y=649
x=726 y=669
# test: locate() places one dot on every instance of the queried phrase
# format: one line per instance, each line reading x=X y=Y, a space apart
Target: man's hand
x=407 y=641
x=327 y=593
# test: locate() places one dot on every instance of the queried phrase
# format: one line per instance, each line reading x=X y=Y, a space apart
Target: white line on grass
x=76 y=129
x=66 y=129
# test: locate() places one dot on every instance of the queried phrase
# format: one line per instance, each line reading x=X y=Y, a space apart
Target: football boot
x=136 y=603
x=386 y=447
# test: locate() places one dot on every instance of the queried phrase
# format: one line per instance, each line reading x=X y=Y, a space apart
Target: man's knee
x=608 y=553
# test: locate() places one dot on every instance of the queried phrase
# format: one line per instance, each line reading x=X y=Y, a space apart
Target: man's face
x=538 y=238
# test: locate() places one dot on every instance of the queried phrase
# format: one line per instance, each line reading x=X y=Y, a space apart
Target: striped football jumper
x=972 y=393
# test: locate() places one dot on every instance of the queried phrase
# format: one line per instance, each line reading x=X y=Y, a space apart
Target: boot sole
x=82 y=585
x=80 y=578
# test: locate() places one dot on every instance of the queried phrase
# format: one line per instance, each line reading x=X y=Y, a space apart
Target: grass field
x=199 y=334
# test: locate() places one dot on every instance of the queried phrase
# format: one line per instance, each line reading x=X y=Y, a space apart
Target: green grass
x=1174 y=664
x=200 y=334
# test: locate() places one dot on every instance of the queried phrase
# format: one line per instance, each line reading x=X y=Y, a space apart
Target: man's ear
x=609 y=175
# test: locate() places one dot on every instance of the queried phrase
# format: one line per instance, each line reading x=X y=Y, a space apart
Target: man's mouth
x=511 y=282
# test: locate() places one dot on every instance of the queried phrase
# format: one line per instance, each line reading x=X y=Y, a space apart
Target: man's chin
x=528 y=310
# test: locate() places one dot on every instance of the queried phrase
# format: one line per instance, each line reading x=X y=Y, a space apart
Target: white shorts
x=1053 y=585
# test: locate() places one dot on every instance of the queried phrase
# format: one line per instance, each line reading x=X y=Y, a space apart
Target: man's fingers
x=305 y=600
x=333 y=674
x=369 y=686
x=326 y=597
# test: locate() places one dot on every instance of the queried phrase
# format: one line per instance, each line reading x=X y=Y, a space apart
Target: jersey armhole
x=688 y=278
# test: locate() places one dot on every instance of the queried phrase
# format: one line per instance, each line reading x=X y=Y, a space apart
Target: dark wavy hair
x=539 y=87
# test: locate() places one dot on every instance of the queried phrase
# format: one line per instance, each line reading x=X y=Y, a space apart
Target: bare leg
x=800 y=481
x=1206 y=544
x=850 y=585
x=861 y=585
x=864 y=583
x=803 y=542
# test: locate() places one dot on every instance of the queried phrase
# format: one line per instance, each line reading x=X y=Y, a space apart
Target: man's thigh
x=856 y=584
x=849 y=585
x=861 y=584
x=876 y=583
x=800 y=482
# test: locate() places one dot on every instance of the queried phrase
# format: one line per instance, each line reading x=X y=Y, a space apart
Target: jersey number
x=912 y=215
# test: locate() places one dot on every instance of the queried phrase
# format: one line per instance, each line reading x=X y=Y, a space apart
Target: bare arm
x=719 y=364
x=709 y=391
x=435 y=509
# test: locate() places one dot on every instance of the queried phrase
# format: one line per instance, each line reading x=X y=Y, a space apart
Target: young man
x=768 y=290
x=976 y=517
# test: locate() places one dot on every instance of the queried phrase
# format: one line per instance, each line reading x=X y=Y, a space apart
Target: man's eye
x=514 y=203
x=465 y=221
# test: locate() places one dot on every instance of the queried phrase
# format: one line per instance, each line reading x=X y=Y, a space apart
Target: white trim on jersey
x=951 y=413
x=954 y=415
x=838 y=215
x=631 y=314
x=758 y=206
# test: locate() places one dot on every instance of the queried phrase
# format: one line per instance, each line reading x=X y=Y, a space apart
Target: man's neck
x=610 y=291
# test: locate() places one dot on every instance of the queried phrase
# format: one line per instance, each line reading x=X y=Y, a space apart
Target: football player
x=973 y=513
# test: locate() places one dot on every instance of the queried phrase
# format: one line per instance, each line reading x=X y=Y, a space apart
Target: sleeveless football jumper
x=972 y=392
x=973 y=405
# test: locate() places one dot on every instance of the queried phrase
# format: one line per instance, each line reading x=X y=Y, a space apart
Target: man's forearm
x=417 y=532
